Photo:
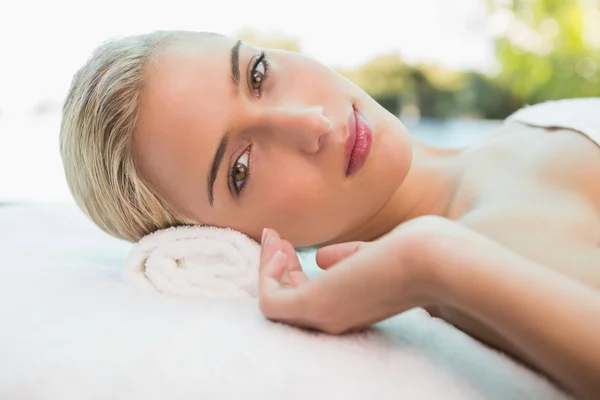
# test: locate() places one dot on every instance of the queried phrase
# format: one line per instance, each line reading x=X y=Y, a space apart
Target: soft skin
x=512 y=219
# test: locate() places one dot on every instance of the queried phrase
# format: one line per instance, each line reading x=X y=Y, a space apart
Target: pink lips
x=358 y=142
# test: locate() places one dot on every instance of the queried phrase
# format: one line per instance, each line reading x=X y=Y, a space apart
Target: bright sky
x=43 y=42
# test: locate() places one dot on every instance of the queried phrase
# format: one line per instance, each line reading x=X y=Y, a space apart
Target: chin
x=391 y=161
x=394 y=147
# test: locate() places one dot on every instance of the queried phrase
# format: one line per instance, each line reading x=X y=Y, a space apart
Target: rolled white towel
x=196 y=262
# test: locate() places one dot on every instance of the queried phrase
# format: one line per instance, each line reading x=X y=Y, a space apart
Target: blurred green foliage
x=546 y=49
x=434 y=91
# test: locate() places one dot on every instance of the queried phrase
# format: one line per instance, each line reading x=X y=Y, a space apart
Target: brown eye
x=258 y=75
x=240 y=172
x=257 y=78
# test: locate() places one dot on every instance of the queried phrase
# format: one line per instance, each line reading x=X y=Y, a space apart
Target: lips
x=358 y=143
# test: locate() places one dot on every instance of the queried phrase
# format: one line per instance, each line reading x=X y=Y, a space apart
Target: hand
x=370 y=282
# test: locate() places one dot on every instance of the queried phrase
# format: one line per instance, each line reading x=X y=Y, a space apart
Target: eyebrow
x=222 y=148
x=216 y=164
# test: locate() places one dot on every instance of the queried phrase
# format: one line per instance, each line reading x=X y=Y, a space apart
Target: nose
x=300 y=126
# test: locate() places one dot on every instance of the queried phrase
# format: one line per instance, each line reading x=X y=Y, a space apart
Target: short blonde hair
x=98 y=123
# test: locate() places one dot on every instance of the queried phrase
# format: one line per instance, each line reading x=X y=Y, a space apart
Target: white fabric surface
x=196 y=262
x=581 y=114
x=72 y=328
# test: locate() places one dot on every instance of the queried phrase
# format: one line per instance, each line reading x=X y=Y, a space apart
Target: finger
x=290 y=252
x=294 y=270
x=285 y=280
x=276 y=302
x=272 y=272
x=330 y=255
x=270 y=244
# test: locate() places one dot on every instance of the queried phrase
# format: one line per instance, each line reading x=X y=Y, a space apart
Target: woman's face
x=234 y=139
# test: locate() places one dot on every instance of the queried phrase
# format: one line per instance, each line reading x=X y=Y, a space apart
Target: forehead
x=185 y=74
x=184 y=106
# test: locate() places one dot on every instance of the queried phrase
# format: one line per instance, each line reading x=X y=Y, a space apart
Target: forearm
x=551 y=319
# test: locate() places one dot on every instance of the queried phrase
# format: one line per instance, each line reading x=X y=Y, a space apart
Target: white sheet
x=71 y=328
x=579 y=114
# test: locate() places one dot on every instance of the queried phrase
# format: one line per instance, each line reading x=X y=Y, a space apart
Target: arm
x=550 y=319
x=553 y=321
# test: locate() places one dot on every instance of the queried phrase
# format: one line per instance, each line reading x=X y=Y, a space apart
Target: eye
x=259 y=74
x=240 y=171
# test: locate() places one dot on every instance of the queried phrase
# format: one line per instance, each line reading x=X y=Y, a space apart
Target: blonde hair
x=98 y=123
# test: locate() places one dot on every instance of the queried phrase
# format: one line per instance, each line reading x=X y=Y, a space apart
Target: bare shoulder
x=537 y=191
x=524 y=161
x=564 y=236
x=568 y=159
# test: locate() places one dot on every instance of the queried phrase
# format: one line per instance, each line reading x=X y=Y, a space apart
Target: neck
x=429 y=189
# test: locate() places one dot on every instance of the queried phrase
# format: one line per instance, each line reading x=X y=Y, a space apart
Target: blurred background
x=450 y=69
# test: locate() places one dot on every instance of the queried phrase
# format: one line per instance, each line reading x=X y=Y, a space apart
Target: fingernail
x=264 y=233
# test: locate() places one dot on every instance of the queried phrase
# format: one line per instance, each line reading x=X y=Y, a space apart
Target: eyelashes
x=240 y=170
x=258 y=74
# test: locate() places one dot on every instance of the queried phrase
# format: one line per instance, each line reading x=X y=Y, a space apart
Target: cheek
x=314 y=82
x=290 y=197
x=392 y=156
x=294 y=210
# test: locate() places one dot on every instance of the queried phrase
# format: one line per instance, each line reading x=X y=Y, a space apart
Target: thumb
x=330 y=255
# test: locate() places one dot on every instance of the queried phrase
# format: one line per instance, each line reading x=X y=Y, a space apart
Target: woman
x=500 y=239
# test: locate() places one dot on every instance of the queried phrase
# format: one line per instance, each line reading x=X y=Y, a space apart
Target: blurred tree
x=484 y=97
x=547 y=48
x=430 y=91
x=386 y=74
x=273 y=40
x=435 y=88
x=386 y=78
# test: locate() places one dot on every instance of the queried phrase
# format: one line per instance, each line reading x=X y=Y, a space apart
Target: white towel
x=72 y=330
x=582 y=115
x=196 y=262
